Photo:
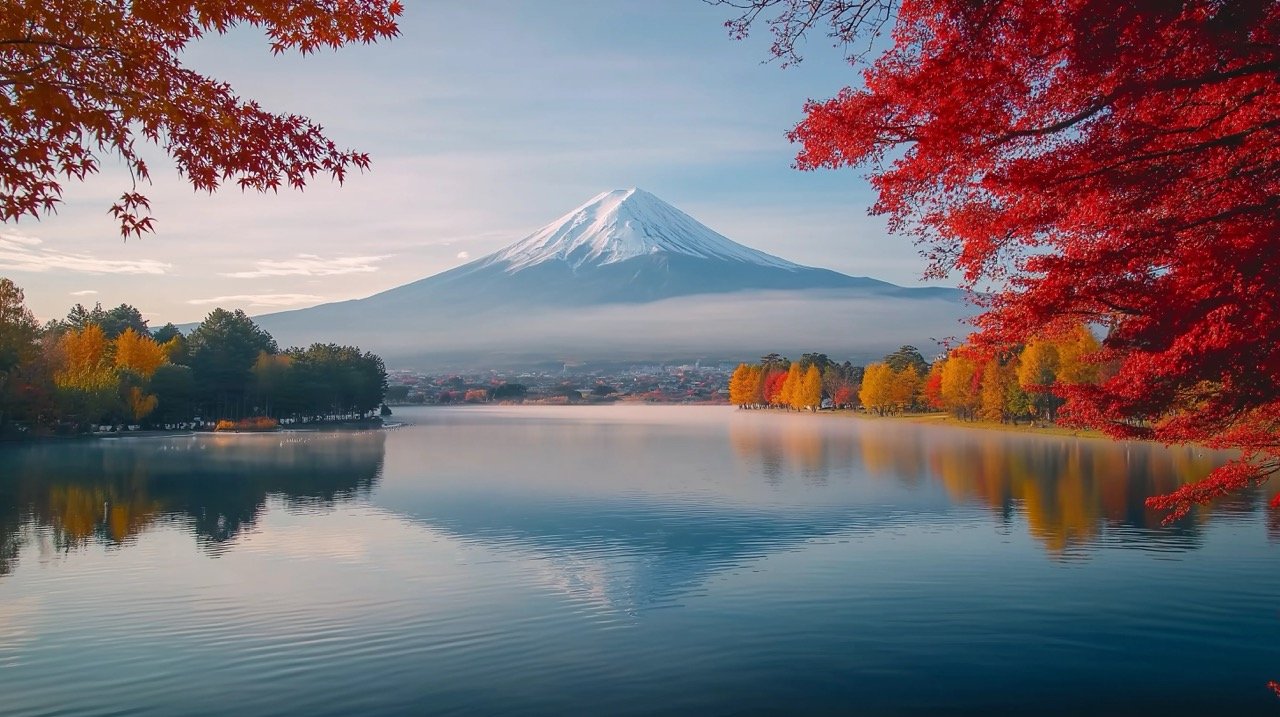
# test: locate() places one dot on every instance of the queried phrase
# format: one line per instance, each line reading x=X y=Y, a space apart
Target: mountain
x=625 y=276
x=623 y=246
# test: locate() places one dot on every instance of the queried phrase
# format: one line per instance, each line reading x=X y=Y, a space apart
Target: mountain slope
x=626 y=224
x=624 y=270
x=621 y=246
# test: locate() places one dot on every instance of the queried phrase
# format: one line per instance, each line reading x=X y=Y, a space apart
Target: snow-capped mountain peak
x=623 y=224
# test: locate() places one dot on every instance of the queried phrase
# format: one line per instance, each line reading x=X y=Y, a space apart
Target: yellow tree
x=997 y=380
x=141 y=403
x=1073 y=348
x=808 y=393
x=738 y=395
x=960 y=383
x=790 y=387
x=86 y=378
x=905 y=387
x=1038 y=368
x=139 y=353
x=87 y=362
x=175 y=349
x=752 y=385
x=877 y=392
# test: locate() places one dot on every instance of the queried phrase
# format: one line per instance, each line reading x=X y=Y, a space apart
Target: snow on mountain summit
x=624 y=224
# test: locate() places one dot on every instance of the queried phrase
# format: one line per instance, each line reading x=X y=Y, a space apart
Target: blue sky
x=485 y=120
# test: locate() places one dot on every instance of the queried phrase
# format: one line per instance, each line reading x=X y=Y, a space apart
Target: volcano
x=624 y=274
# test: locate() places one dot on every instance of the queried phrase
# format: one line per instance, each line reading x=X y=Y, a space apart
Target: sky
x=484 y=120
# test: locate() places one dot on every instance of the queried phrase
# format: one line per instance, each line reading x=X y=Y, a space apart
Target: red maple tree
x=1113 y=161
x=773 y=387
x=79 y=78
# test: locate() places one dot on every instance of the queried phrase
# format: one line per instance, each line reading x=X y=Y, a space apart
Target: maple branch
x=1138 y=88
x=848 y=19
x=50 y=42
x=1217 y=142
x=1270 y=203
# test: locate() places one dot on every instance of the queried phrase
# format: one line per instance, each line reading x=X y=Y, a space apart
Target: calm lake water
x=628 y=560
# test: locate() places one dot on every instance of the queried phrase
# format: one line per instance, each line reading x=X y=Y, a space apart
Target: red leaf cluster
x=79 y=78
x=1116 y=162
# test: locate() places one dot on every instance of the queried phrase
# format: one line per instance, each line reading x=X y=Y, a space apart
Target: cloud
x=464 y=255
x=311 y=265
x=260 y=299
x=86 y=292
x=19 y=252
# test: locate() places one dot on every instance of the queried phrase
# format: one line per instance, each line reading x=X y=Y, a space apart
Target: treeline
x=1023 y=383
x=106 y=367
x=778 y=382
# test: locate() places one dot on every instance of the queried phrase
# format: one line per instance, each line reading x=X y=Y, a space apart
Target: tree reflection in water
x=1072 y=492
x=110 y=491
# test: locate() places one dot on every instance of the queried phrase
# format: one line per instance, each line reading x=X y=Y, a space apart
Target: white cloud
x=260 y=300
x=19 y=252
x=464 y=255
x=86 y=292
x=311 y=265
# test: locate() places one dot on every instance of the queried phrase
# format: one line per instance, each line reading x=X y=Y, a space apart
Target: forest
x=107 y=367
x=1027 y=383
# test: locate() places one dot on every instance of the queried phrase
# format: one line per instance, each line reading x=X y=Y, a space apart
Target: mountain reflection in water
x=1073 y=492
x=627 y=560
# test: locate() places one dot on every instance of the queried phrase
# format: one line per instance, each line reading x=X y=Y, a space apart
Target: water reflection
x=778 y=482
x=628 y=513
x=618 y=561
x=1073 y=492
x=632 y=553
x=110 y=491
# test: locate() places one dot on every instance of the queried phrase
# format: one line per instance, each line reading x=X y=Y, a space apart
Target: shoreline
x=944 y=419
x=317 y=426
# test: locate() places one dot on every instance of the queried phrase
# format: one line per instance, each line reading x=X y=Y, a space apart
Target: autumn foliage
x=85 y=78
x=251 y=424
x=801 y=385
x=107 y=367
x=1112 y=162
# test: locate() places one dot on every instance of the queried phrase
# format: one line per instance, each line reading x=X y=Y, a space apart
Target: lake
x=628 y=560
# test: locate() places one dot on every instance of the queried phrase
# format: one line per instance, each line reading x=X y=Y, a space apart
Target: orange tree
x=82 y=78
x=1109 y=161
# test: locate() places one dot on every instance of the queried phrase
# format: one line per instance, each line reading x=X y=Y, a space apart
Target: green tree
x=18 y=327
x=508 y=391
x=814 y=359
x=907 y=356
x=174 y=387
x=113 y=322
x=18 y=332
x=339 y=381
x=166 y=333
x=223 y=350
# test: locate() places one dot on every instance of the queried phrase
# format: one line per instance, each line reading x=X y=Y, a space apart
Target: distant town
x=654 y=383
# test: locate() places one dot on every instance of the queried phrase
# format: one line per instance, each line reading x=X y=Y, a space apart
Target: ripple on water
x=596 y=562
